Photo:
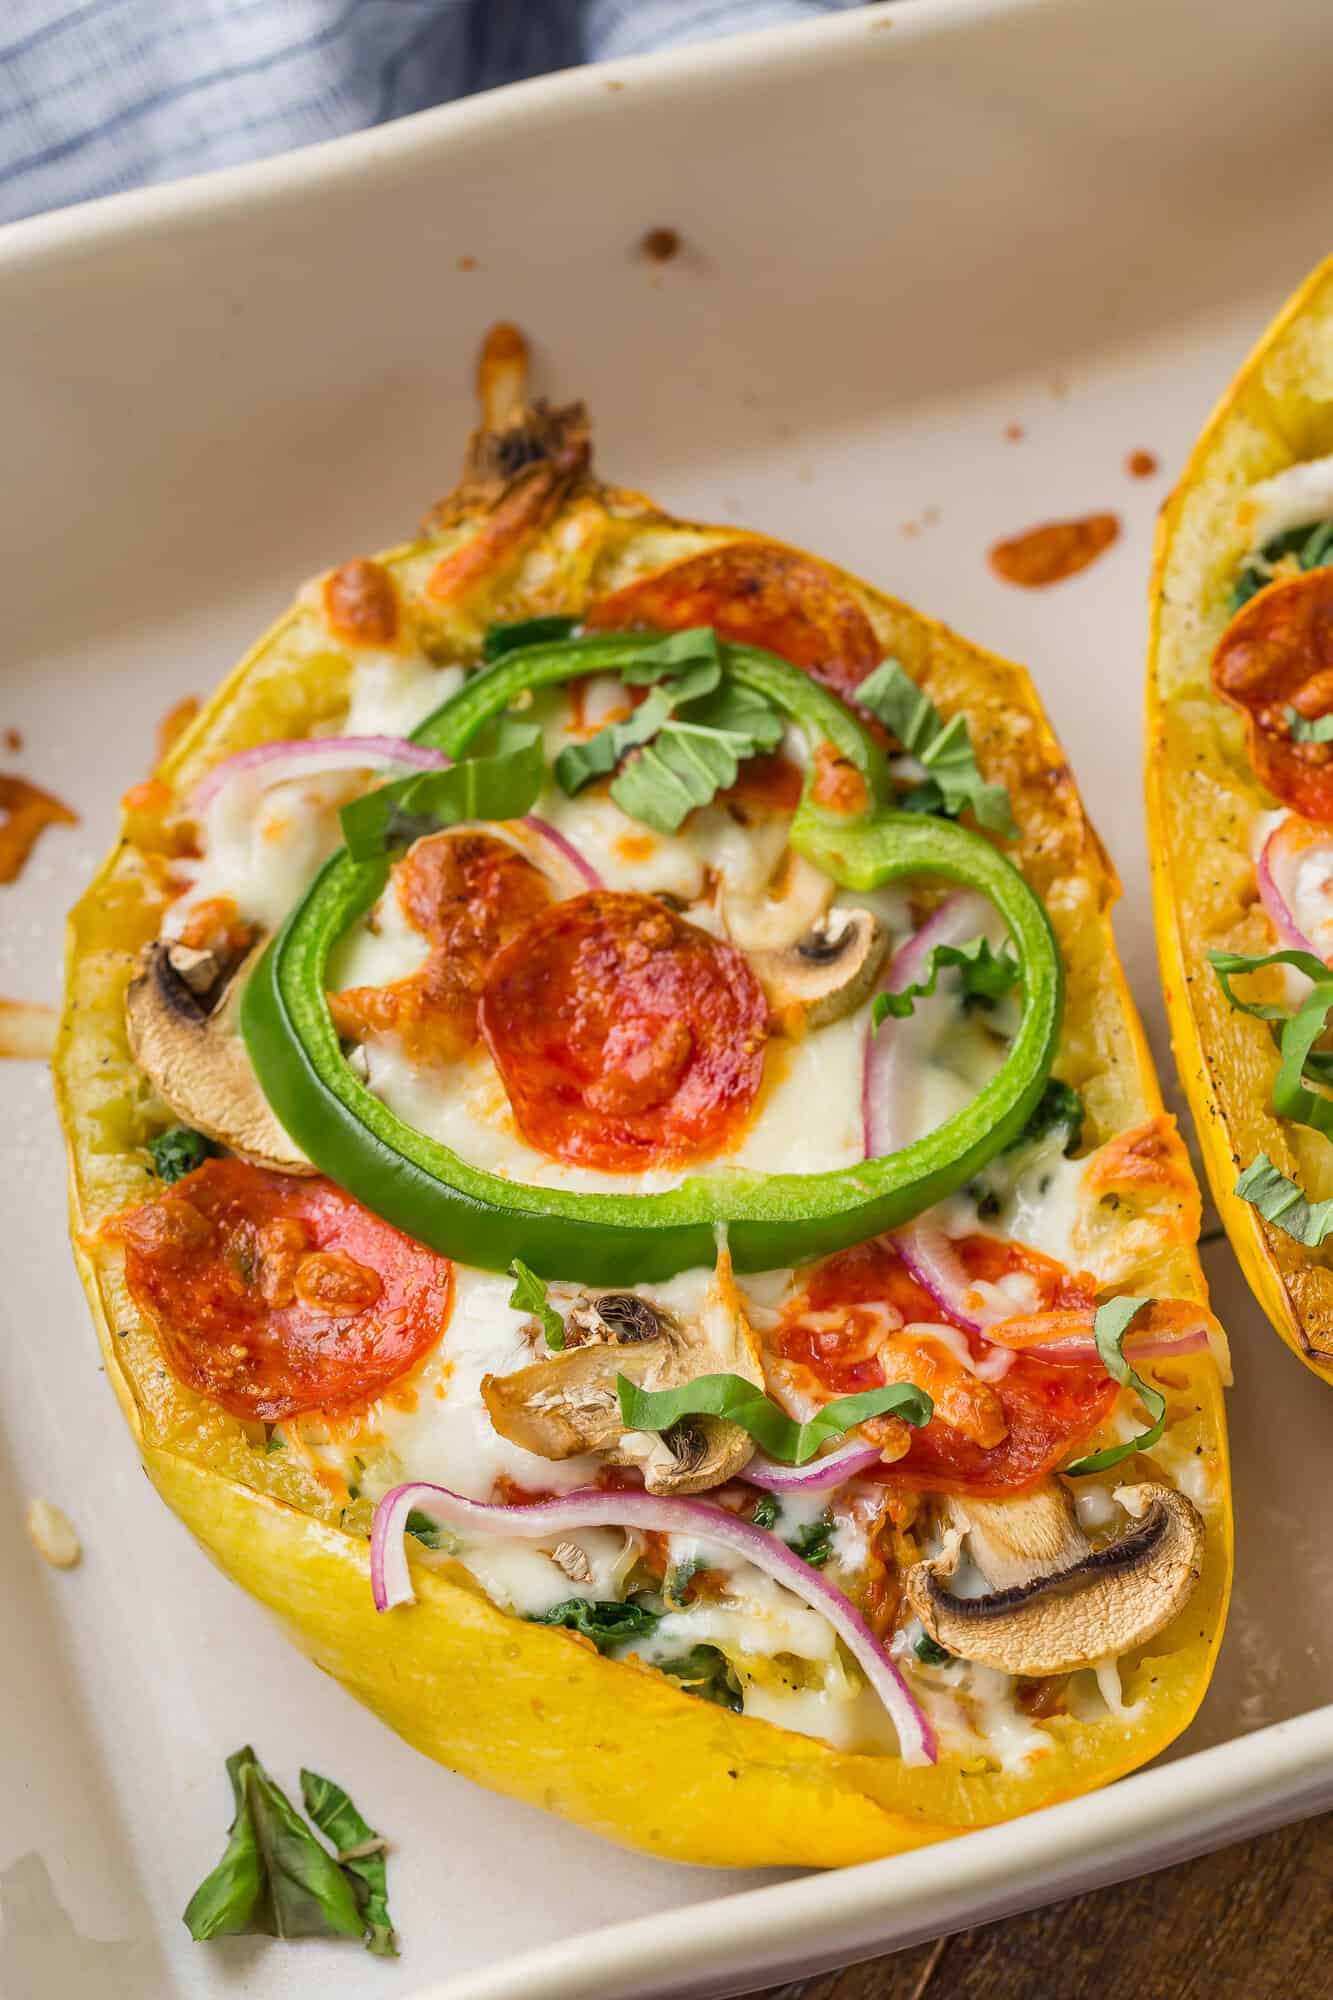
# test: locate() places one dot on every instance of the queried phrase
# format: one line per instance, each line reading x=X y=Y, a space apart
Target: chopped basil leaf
x=675 y=652
x=529 y=1295
x=429 y=1533
x=1059 y=1107
x=579 y=763
x=607 y=1623
x=814 y=1543
x=1311 y=546
x=275 y=1879
x=705 y=1671
x=500 y=785
x=930 y=1652
x=178 y=1151
x=986 y=975
x=1318 y=731
x=944 y=748
x=740 y=1402
x=676 y=1582
x=502 y=639
x=274 y=1442
x=361 y=1854
x=1110 y=1324
x=1281 y=1202
x=1296 y=1033
x=764 y=1513
x=695 y=755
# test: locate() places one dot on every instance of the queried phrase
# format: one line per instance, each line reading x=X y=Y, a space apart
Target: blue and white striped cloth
x=108 y=94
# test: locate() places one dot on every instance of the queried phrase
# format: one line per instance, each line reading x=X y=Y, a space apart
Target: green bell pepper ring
x=772 y=1220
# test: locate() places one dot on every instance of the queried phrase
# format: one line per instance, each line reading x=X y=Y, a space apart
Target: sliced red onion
x=1290 y=842
x=932 y=1260
x=592 y=1507
x=818 y=1476
x=308 y=754
x=893 y=1049
x=1075 y=1343
x=304 y=756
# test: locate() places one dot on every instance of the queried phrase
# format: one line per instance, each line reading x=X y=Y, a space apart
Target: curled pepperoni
x=272 y=1294
x=625 y=1037
x=991 y=1438
x=757 y=594
x=1276 y=654
x=467 y=893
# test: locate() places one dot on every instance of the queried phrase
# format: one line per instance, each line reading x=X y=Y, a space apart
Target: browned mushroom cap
x=1053 y=1602
x=566 y=1404
x=181 y=1014
x=812 y=958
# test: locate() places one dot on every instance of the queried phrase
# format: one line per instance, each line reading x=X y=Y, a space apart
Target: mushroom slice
x=181 y=1013
x=566 y=1404
x=829 y=970
x=791 y=905
x=1053 y=1602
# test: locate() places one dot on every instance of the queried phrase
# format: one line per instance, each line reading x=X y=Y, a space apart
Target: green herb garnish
x=985 y=975
x=275 y=1878
x=1110 y=1324
x=1312 y=548
x=361 y=1856
x=1295 y=1033
x=930 y=1652
x=814 y=1543
x=677 y=1581
x=764 y=1513
x=1058 y=1107
x=705 y=1671
x=529 y=1296
x=502 y=784
x=1318 y=731
x=732 y=1397
x=954 y=782
x=429 y=1533
x=178 y=1151
x=502 y=639
x=607 y=1623
x=1284 y=1204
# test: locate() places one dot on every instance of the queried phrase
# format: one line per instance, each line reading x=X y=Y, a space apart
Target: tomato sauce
x=985 y=1437
x=273 y=1294
x=27 y=812
x=1275 y=655
x=468 y=894
x=1048 y=554
x=625 y=1036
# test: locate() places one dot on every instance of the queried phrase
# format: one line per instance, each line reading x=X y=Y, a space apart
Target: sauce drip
x=27 y=811
x=1053 y=551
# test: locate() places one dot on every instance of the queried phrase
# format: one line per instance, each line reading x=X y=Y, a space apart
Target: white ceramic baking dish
x=905 y=232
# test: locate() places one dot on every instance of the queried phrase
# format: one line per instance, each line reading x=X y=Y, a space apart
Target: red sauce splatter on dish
x=625 y=1036
x=27 y=812
x=1013 y=432
x=660 y=245
x=13 y=739
x=1053 y=551
x=273 y=1294
x=1141 y=465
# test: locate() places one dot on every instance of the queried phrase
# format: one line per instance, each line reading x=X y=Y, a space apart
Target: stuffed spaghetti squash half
x=623 y=1190
x=1240 y=791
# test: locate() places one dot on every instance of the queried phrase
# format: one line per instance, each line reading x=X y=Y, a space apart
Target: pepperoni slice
x=837 y=1330
x=1276 y=654
x=756 y=594
x=273 y=1294
x=468 y=893
x=626 y=1037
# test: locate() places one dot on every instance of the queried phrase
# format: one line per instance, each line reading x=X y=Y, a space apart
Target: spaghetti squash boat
x=624 y=1193
x=1240 y=792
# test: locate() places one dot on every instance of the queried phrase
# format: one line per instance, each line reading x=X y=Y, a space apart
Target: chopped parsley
x=705 y=1671
x=1311 y=547
x=178 y=1151
x=607 y=1623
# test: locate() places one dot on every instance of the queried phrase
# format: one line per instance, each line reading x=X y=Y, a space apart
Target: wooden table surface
x=1253 y=1922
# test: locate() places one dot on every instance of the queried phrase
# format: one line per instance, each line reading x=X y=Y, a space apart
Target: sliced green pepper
x=617 y=1239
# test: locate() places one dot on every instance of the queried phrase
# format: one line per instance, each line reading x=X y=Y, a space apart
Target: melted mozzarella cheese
x=392 y=693
x=263 y=844
x=1298 y=497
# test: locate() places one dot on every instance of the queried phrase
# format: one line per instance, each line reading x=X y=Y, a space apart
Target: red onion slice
x=309 y=754
x=1292 y=842
x=818 y=1477
x=591 y=1507
x=305 y=756
x=1180 y=1328
x=894 y=1049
